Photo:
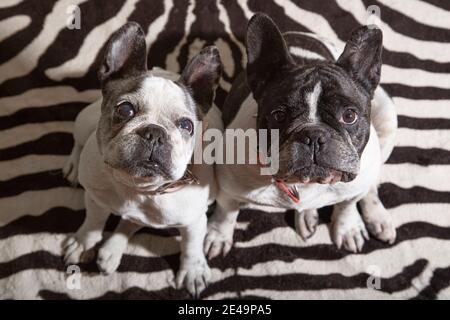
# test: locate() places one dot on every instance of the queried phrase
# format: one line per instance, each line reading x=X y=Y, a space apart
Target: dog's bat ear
x=201 y=76
x=362 y=57
x=125 y=55
x=267 y=52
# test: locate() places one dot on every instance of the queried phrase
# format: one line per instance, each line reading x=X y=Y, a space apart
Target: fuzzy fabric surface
x=48 y=75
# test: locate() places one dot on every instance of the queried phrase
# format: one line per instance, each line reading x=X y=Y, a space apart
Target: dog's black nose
x=314 y=136
x=153 y=133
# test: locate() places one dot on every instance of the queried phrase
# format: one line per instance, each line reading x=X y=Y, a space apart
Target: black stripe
x=422 y=157
x=32 y=182
x=406 y=60
x=18 y=41
x=401 y=90
x=68 y=42
x=132 y=293
x=423 y=123
x=439 y=281
x=248 y=257
x=393 y=196
x=443 y=4
x=345 y=23
x=35 y=260
x=170 y=36
x=47 y=260
x=56 y=143
x=59 y=112
x=302 y=281
x=278 y=14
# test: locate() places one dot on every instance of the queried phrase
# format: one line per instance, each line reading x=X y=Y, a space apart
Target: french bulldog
x=336 y=128
x=133 y=151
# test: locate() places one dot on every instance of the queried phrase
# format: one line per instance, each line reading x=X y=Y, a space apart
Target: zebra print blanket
x=48 y=74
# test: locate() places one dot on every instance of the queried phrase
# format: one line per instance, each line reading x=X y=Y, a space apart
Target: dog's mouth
x=317 y=174
x=143 y=171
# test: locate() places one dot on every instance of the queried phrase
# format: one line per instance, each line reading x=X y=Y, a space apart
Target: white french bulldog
x=336 y=129
x=133 y=150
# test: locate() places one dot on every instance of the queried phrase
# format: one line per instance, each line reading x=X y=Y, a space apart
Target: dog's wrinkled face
x=322 y=110
x=147 y=128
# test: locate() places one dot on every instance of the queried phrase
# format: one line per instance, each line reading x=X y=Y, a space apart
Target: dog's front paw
x=306 y=223
x=75 y=252
x=218 y=241
x=194 y=275
x=381 y=226
x=350 y=233
x=108 y=259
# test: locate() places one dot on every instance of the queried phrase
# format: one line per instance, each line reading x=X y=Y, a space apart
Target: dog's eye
x=349 y=117
x=126 y=110
x=186 y=124
x=279 y=116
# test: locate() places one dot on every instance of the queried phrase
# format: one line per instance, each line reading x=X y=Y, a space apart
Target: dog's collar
x=291 y=192
x=187 y=179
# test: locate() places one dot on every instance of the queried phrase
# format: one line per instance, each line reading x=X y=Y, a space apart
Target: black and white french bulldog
x=325 y=107
x=133 y=150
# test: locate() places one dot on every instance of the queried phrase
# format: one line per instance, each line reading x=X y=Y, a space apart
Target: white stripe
x=398 y=42
x=288 y=237
x=433 y=213
x=27 y=284
x=422 y=12
x=172 y=58
x=9 y=3
x=78 y=66
x=13 y=25
x=422 y=108
x=444 y=294
x=35 y=203
x=53 y=23
x=30 y=164
x=226 y=55
x=155 y=28
x=423 y=138
x=141 y=245
x=403 y=214
x=306 y=54
x=228 y=60
x=245 y=9
x=408 y=175
x=353 y=264
x=42 y=97
x=414 y=77
x=315 y=22
x=330 y=294
x=334 y=48
x=31 y=132
x=92 y=284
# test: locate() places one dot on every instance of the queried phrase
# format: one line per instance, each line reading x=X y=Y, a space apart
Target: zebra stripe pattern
x=48 y=75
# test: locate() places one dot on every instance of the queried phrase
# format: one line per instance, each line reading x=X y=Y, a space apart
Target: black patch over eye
x=186 y=124
x=279 y=115
x=349 y=117
x=126 y=110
